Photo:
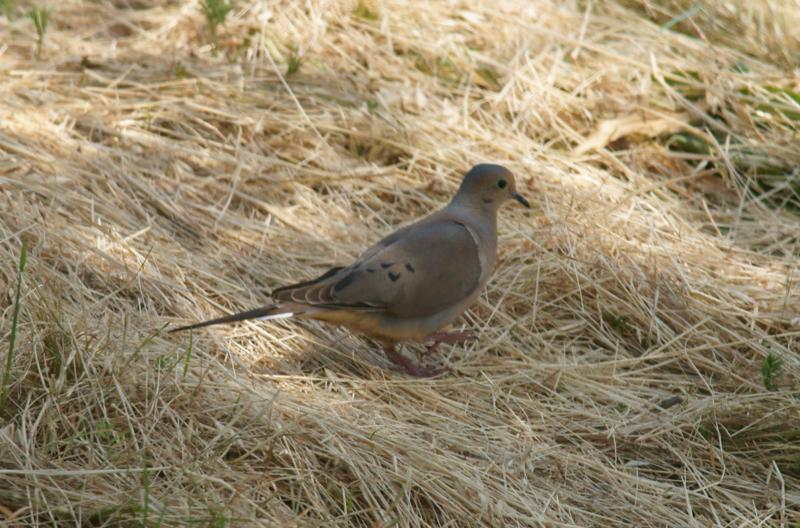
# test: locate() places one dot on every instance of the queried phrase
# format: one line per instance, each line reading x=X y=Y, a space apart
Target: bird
x=413 y=282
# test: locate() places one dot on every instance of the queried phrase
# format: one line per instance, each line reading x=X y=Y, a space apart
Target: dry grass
x=617 y=380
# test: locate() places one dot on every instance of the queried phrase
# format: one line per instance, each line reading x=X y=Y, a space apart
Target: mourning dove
x=412 y=283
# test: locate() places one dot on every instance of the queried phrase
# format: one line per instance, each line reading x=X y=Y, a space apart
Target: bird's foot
x=409 y=366
x=449 y=338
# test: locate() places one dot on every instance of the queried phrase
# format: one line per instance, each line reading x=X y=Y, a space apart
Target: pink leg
x=450 y=338
x=408 y=365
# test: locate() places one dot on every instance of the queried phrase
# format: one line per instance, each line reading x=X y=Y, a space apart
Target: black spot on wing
x=393 y=276
x=370 y=270
x=386 y=265
x=409 y=267
x=344 y=282
x=487 y=200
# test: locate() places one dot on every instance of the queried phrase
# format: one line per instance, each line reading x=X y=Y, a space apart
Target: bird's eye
x=502 y=184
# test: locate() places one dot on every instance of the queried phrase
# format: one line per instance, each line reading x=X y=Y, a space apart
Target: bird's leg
x=450 y=338
x=408 y=365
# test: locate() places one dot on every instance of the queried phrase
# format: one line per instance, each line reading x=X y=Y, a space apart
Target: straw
x=618 y=379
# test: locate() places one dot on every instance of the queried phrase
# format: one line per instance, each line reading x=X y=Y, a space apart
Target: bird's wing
x=416 y=272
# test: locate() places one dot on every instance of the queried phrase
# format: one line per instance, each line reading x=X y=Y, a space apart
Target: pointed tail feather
x=271 y=311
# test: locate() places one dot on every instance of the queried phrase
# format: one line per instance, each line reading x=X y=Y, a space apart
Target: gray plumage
x=413 y=282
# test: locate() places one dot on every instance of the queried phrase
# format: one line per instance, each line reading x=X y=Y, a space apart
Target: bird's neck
x=475 y=206
x=480 y=216
x=481 y=221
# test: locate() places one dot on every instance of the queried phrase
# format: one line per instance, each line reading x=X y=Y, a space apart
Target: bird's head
x=488 y=186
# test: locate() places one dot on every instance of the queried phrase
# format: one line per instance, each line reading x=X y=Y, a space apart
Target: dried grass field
x=637 y=361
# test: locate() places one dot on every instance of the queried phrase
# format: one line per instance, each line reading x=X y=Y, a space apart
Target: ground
x=637 y=353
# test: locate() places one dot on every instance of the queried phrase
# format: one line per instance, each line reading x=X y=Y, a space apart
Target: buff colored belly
x=388 y=328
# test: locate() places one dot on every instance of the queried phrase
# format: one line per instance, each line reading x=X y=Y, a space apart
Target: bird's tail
x=264 y=313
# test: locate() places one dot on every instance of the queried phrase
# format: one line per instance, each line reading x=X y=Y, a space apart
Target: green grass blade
x=188 y=356
x=770 y=370
x=13 y=338
x=689 y=13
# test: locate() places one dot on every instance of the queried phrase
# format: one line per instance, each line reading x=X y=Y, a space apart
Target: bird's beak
x=521 y=199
